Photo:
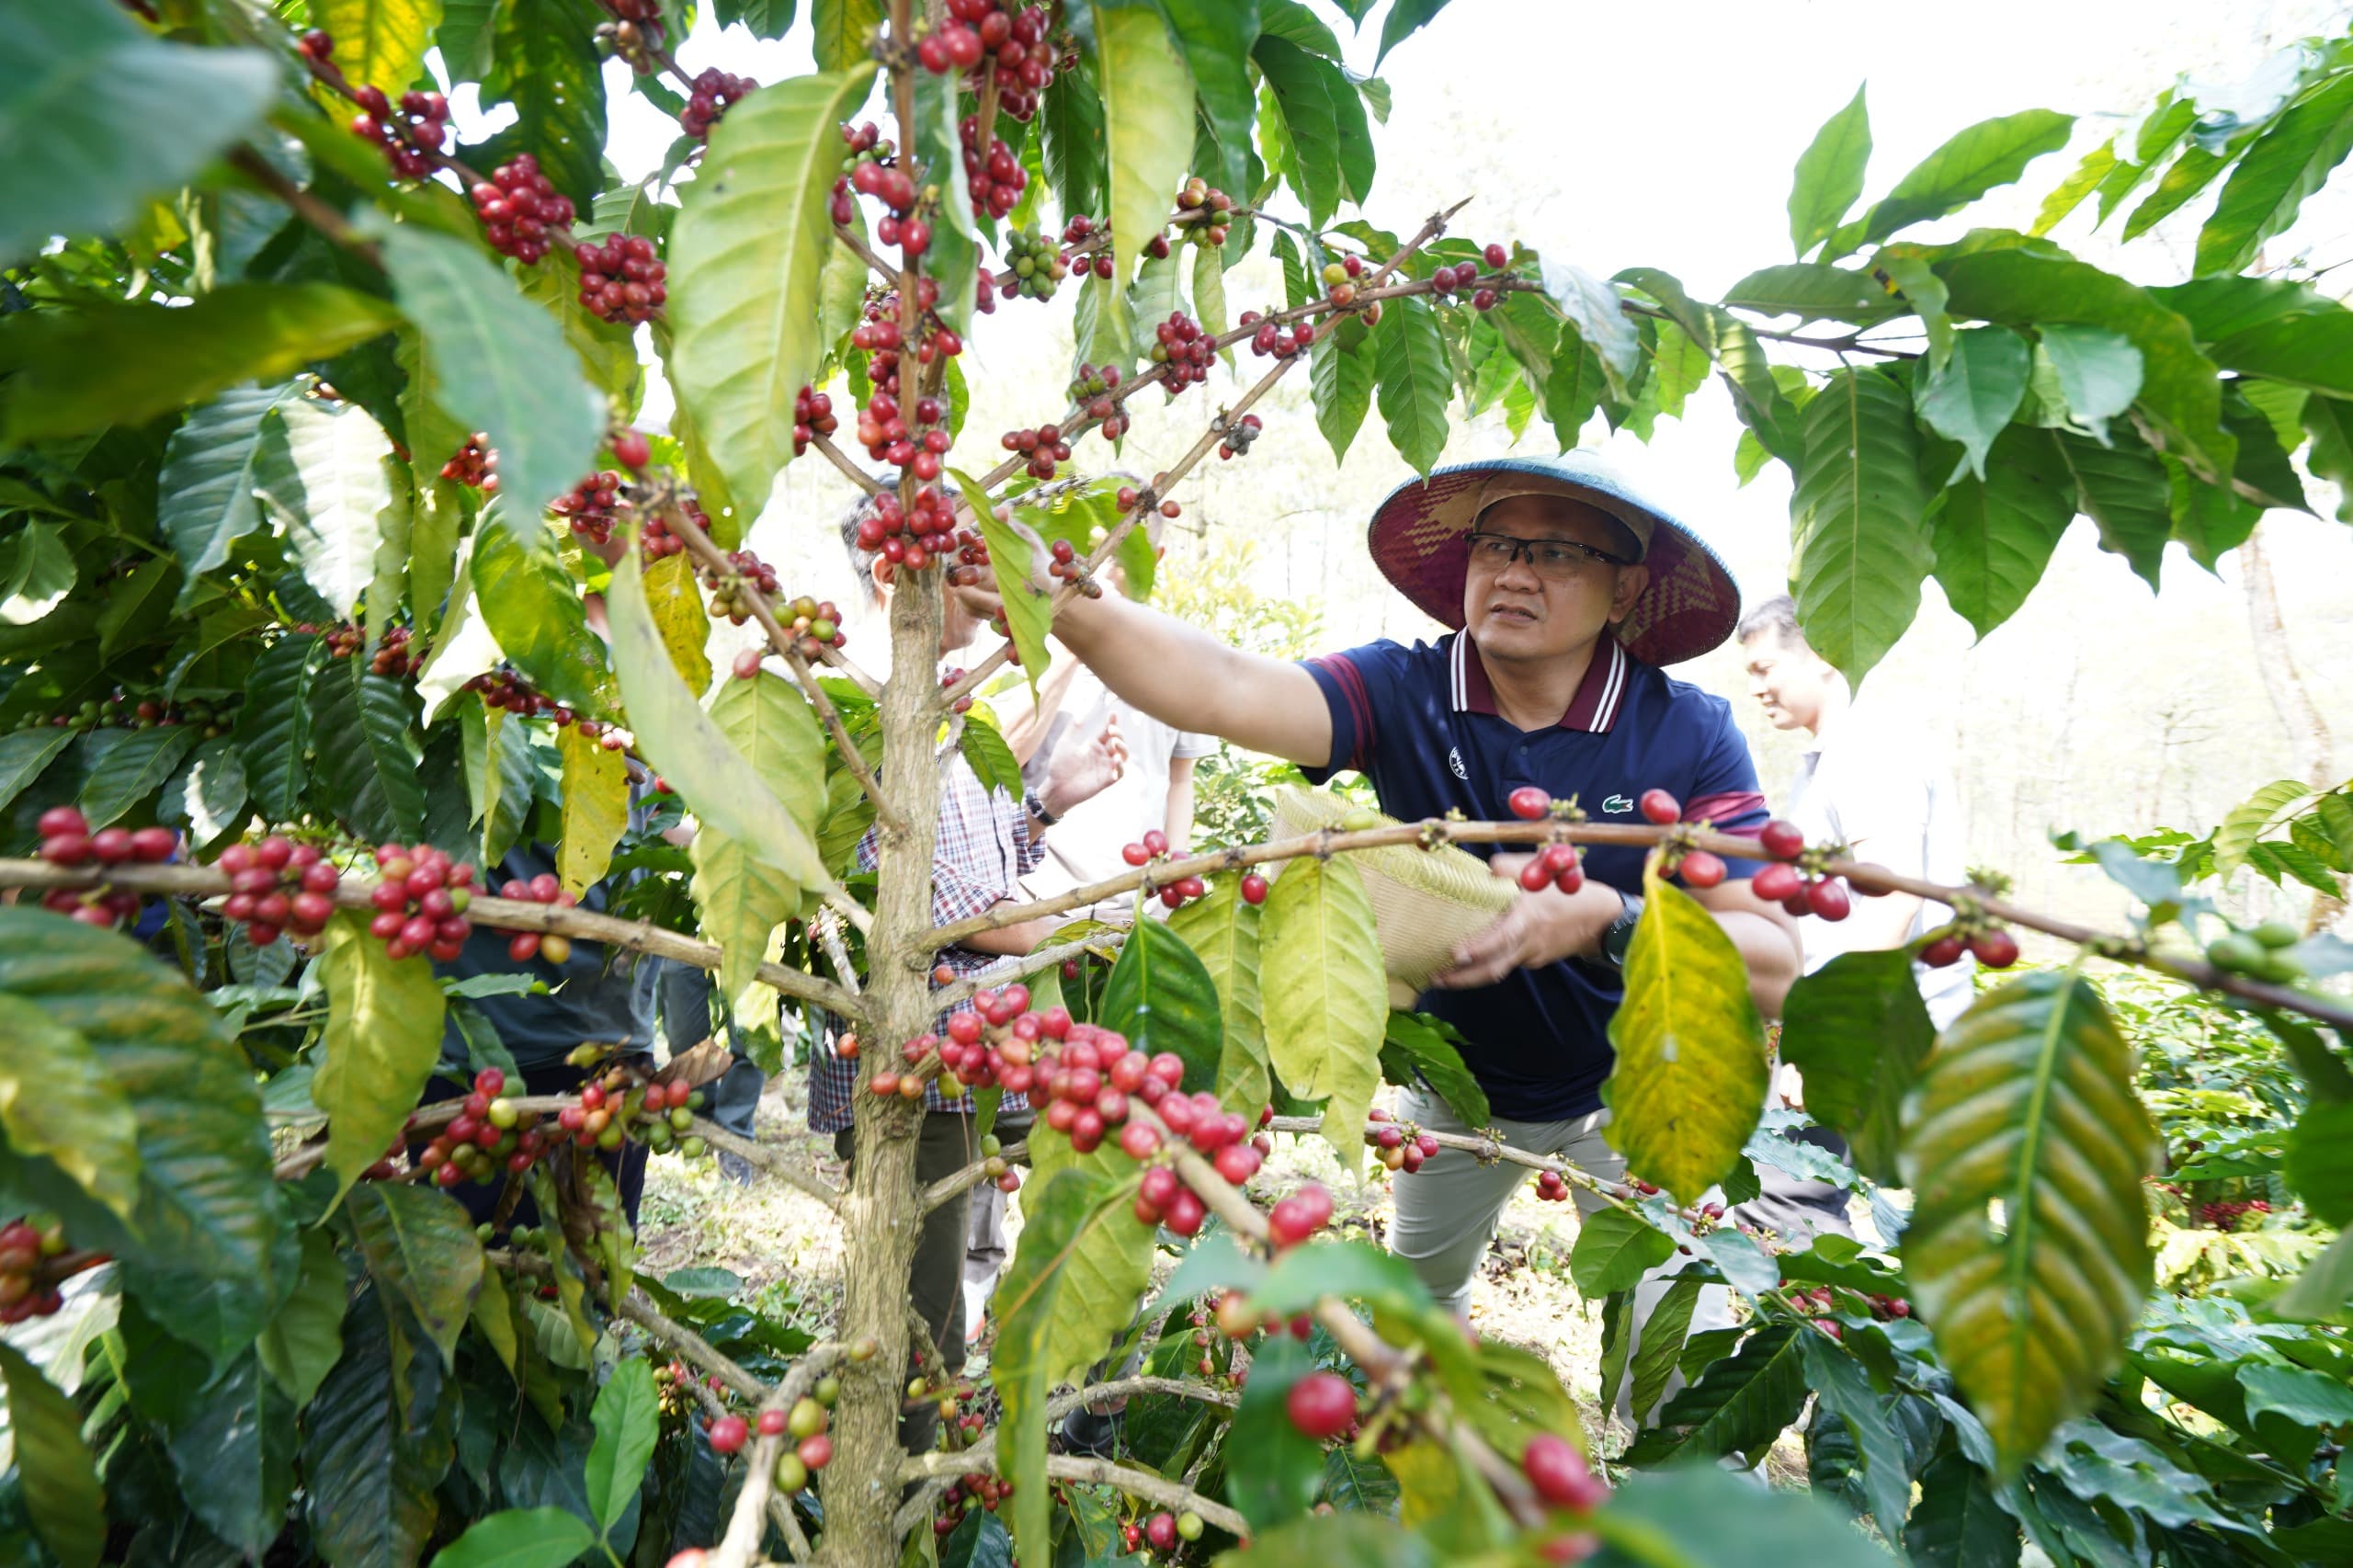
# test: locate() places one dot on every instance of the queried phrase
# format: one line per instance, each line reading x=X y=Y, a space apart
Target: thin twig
x=305 y=206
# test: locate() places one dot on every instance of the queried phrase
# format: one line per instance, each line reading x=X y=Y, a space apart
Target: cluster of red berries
x=520 y=208
x=1563 y=1480
x=1797 y=890
x=1990 y=946
x=120 y=709
x=1399 y=1147
x=66 y=840
x=1037 y=263
x=979 y=30
x=1551 y=1188
x=277 y=885
x=1097 y=388
x=1129 y=498
x=811 y=1448
x=731 y=590
x=714 y=90
x=503 y=688
x=552 y=946
x=1340 y=279
x=912 y=538
x=1161 y=1531
x=1198 y=195
x=996 y=180
x=1151 y=848
x=1465 y=275
x=488 y=1133
x=1187 y=352
x=658 y=538
x=973 y=554
x=1040 y=449
x=813 y=415
x=1066 y=566
x=1235 y=439
x=911 y=235
x=636 y=33
x=615 y=1104
x=1555 y=865
x=409 y=140
x=1273 y=337
x=2223 y=1214
x=1079 y=230
x=391 y=658
x=28 y=1289
x=420 y=900
x=474 y=464
x=948 y=678
x=885 y=430
x=591 y=506
x=621 y=281
x=975 y=1488
x=861 y=141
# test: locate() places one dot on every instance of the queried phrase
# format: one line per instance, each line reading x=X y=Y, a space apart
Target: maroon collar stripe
x=1593 y=710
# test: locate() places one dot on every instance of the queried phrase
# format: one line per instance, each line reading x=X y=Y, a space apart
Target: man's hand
x=1539 y=929
x=1080 y=770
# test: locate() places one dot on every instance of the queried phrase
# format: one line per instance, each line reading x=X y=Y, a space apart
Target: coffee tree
x=319 y=452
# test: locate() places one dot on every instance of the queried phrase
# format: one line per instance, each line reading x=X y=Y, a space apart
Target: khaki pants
x=1446 y=1214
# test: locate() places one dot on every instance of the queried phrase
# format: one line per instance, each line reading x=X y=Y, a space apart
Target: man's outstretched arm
x=1186 y=678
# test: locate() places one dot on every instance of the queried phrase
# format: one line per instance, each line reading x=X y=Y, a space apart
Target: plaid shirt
x=982 y=851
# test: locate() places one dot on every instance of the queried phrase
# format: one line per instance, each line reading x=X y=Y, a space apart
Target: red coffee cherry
x=1782 y=840
x=1661 y=807
x=1322 y=1405
x=1530 y=803
x=1996 y=949
x=1561 y=1475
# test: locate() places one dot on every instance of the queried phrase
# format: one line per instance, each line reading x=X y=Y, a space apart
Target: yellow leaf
x=596 y=808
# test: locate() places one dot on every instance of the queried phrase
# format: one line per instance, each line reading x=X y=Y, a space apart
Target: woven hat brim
x=1424 y=902
x=1418 y=539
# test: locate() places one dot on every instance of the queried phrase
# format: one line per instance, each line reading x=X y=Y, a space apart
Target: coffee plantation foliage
x=318 y=447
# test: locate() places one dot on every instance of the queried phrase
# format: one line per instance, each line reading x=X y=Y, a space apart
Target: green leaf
x=2027 y=1107
x=56 y=1100
x=1020 y=576
x=1702 y=1517
x=1341 y=379
x=376 y=1443
x=1971 y=398
x=1993 y=538
x=1272 y=1470
x=1844 y=1390
x=745 y=259
x=1989 y=153
x=1160 y=997
x=738 y=902
x=1308 y=93
x=723 y=786
x=518 y=1537
x=1074 y=1278
x=1409 y=357
x=1596 y=312
x=274 y=725
x=383 y=1034
x=1738 y=1406
x=2302 y=1395
x=2330 y=455
x=1925 y=293
x=627 y=1421
x=1959 y=1522
x=1217 y=37
x=1404 y=19
x=983 y=746
x=379 y=42
x=304 y=1340
x=1359 y=1539
x=1829 y=175
x=1857 y=1030
x=1147 y=96
x=134 y=768
x=205 y=498
x=2069 y=193
x=2125 y=490
x=1614 y=1249
x=58 y=1480
x=532 y=607
x=2321 y=1293
x=1814 y=292
x=1223 y=934
x=1326 y=999
x=1691 y=1078
x=366 y=763
x=2179 y=390
x=1350 y=1270
x=420 y=1246
x=1420 y=1048
x=549 y=66
x=1070 y=120
x=123 y=364
x=2259 y=813
x=842 y=28
x=1859 y=538
x=951 y=261
x=2288 y=160
x=25 y=756
x=2098 y=370
x=319 y=470
x=500 y=364
x=80 y=142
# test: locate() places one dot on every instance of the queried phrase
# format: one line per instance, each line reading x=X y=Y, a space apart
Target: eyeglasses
x=1554 y=559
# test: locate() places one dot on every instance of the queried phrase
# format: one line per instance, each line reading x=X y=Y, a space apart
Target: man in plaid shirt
x=986 y=841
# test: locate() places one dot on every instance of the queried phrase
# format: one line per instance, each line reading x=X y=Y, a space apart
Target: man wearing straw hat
x=1568 y=592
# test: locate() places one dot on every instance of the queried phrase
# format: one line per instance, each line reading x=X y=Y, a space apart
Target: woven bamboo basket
x=1424 y=902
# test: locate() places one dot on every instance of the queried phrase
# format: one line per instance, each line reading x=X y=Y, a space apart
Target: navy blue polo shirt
x=1421 y=723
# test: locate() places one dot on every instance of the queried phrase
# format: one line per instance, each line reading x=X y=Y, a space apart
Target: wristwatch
x=1620 y=932
x=1035 y=804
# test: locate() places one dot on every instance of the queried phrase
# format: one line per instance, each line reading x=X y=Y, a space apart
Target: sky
x=1663 y=135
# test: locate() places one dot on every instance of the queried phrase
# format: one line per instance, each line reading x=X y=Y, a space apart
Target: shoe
x=734 y=1168
x=1083 y=1432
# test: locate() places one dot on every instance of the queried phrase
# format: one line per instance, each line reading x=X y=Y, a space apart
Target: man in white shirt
x=1875 y=781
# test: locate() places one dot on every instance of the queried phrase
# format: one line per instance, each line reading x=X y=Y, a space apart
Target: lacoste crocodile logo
x=1616 y=805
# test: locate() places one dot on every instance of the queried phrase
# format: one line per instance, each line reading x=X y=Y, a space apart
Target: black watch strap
x=1620 y=933
x=1035 y=804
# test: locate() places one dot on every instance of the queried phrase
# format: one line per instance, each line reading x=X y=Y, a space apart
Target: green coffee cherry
x=2277 y=934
